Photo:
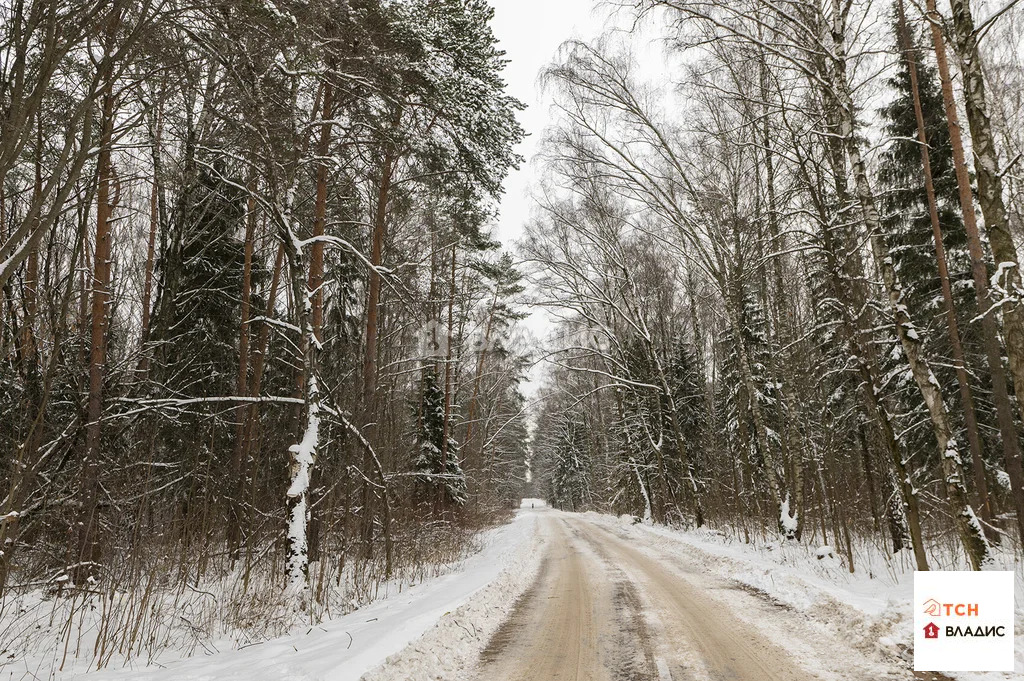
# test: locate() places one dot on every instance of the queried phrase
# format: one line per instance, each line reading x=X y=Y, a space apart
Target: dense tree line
x=252 y=314
x=787 y=283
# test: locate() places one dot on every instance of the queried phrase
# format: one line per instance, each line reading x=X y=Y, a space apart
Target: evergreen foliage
x=435 y=463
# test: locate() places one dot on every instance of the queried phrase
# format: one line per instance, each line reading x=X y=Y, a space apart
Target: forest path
x=603 y=609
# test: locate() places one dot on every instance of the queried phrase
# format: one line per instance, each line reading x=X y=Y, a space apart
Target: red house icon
x=931 y=630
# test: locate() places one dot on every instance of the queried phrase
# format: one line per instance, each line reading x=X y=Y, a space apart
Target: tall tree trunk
x=990 y=197
x=474 y=463
x=315 y=286
x=971 y=535
x=449 y=362
x=875 y=410
x=970 y=418
x=846 y=274
x=373 y=289
x=154 y=226
x=234 y=518
x=370 y=338
x=302 y=459
x=783 y=311
x=3 y=287
x=251 y=419
x=32 y=269
x=88 y=551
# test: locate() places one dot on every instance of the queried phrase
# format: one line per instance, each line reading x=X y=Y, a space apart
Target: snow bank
x=450 y=650
x=872 y=607
x=345 y=648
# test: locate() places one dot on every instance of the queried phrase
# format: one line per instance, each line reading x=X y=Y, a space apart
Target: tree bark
x=966 y=397
x=971 y=535
x=88 y=551
x=990 y=197
x=254 y=388
x=372 y=312
x=303 y=454
x=315 y=286
x=475 y=462
x=242 y=380
x=373 y=292
x=32 y=270
x=449 y=362
x=154 y=225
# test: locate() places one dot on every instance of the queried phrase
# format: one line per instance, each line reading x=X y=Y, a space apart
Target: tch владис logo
x=963 y=620
x=933 y=608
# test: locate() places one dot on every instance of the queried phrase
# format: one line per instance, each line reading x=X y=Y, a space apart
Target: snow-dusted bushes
x=146 y=616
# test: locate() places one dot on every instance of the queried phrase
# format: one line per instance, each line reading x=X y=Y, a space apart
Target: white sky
x=530 y=31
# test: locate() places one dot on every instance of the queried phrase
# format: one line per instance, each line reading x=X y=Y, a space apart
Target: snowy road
x=604 y=609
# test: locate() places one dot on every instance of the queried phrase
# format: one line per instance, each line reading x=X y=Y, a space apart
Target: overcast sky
x=530 y=31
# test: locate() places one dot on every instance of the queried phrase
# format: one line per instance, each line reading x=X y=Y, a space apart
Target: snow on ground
x=437 y=629
x=345 y=648
x=449 y=651
x=140 y=619
x=872 y=606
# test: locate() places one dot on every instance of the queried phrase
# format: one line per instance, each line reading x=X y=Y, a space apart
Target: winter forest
x=264 y=355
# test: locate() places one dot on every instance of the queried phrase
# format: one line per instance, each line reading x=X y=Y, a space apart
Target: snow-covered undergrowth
x=156 y=618
x=347 y=647
x=871 y=607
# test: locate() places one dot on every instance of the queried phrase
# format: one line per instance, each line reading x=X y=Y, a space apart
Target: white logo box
x=962 y=603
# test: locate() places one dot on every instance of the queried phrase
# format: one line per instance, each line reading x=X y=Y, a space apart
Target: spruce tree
x=687 y=383
x=432 y=477
x=571 y=478
x=909 y=232
x=904 y=201
x=195 y=325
